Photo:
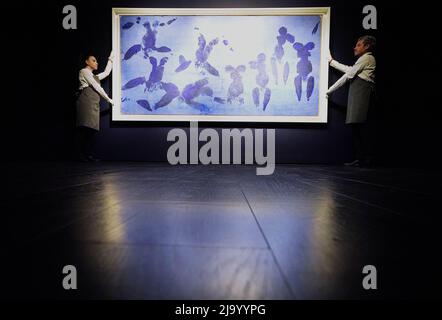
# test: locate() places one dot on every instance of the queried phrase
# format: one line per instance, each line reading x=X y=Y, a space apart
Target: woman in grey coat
x=360 y=96
x=88 y=104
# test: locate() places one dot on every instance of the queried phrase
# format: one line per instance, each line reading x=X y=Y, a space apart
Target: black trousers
x=83 y=140
x=363 y=141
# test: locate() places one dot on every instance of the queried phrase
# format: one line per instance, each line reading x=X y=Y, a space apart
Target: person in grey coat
x=360 y=96
x=88 y=105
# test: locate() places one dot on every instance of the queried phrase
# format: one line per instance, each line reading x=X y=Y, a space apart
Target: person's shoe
x=354 y=163
x=92 y=159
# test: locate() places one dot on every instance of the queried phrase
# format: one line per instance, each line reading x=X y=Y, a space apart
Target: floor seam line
x=269 y=247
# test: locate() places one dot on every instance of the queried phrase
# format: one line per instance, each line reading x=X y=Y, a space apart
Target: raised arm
x=108 y=68
x=339 y=66
x=87 y=74
x=349 y=74
x=335 y=64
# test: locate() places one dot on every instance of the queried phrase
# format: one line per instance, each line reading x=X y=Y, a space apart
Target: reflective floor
x=155 y=231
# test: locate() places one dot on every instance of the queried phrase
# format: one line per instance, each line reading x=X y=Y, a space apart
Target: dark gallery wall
x=41 y=63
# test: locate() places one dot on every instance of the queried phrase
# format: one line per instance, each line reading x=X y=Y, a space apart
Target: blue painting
x=220 y=65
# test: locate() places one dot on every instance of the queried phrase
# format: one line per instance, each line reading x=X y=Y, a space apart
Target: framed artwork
x=238 y=64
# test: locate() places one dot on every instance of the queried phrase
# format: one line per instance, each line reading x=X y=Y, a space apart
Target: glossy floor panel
x=155 y=231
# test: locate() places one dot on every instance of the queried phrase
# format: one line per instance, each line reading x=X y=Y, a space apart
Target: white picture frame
x=323 y=12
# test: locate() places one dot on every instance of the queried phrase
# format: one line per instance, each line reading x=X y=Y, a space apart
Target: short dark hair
x=370 y=41
x=87 y=56
x=82 y=57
